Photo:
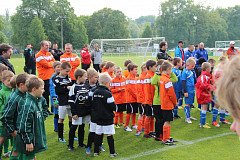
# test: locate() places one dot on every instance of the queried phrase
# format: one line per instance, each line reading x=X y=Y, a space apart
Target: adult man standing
x=189 y=53
x=162 y=54
x=5 y=54
x=44 y=63
x=201 y=52
x=179 y=52
x=97 y=57
x=72 y=58
x=30 y=63
x=56 y=52
x=232 y=51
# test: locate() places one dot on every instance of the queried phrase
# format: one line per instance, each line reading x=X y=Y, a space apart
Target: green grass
x=127 y=145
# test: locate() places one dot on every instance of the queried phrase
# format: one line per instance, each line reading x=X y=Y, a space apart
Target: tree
x=147 y=33
x=133 y=29
x=36 y=33
x=146 y=19
x=2 y=36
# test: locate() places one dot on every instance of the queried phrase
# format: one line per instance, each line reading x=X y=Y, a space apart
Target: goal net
x=225 y=44
x=140 y=47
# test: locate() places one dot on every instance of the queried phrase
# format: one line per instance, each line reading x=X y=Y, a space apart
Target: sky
x=131 y=8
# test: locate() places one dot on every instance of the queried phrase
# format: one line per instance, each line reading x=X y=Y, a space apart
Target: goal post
x=128 y=47
x=225 y=44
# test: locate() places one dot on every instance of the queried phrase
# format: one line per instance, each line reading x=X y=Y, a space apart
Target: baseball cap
x=232 y=42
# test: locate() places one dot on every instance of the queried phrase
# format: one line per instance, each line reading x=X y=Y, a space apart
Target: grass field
x=194 y=143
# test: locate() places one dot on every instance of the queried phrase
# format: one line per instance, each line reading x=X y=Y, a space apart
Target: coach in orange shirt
x=71 y=58
x=44 y=64
x=232 y=51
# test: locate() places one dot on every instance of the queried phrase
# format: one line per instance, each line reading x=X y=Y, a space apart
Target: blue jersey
x=201 y=53
x=188 y=76
x=187 y=55
x=177 y=85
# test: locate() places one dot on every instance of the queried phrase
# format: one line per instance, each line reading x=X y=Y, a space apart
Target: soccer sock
x=151 y=126
x=213 y=104
x=127 y=119
x=121 y=117
x=60 y=130
x=69 y=124
x=101 y=140
x=133 y=119
x=214 y=114
x=81 y=134
x=187 y=111
x=6 y=145
x=110 y=141
x=147 y=125
x=143 y=121
x=97 y=143
x=222 y=115
x=203 y=117
x=91 y=136
x=180 y=102
x=55 y=122
x=116 y=118
x=140 y=120
x=166 y=133
x=175 y=111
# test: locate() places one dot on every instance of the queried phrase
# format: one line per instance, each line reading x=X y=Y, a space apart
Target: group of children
x=23 y=111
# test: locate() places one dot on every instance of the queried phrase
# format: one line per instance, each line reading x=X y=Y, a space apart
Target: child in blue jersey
x=188 y=88
x=177 y=62
x=53 y=95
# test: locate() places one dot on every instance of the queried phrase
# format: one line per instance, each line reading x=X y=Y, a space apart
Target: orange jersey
x=131 y=92
x=149 y=89
x=125 y=73
x=168 y=96
x=111 y=74
x=74 y=61
x=117 y=87
x=104 y=70
x=44 y=63
x=140 y=88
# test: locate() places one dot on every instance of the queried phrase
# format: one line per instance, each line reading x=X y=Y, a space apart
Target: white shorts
x=63 y=110
x=105 y=129
x=86 y=119
x=92 y=127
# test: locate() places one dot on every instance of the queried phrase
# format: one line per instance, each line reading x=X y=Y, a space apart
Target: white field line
x=182 y=144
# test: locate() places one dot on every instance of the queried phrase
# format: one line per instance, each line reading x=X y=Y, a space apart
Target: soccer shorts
x=132 y=108
x=121 y=107
x=167 y=115
x=190 y=98
x=142 y=109
x=108 y=130
x=179 y=95
x=63 y=111
x=149 y=110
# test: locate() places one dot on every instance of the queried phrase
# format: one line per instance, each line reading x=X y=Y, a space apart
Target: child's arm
x=110 y=101
x=71 y=101
x=155 y=79
x=53 y=95
x=170 y=92
x=184 y=84
x=45 y=108
x=173 y=77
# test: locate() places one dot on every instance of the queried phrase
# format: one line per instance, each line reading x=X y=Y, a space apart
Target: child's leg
x=166 y=131
x=151 y=126
x=91 y=136
x=147 y=125
x=175 y=111
x=81 y=135
x=56 y=122
x=116 y=118
x=203 y=114
x=214 y=114
x=140 y=119
x=180 y=102
x=133 y=119
x=62 y=113
x=97 y=142
x=187 y=111
x=72 y=135
x=6 y=146
x=128 y=115
x=222 y=115
x=121 y=117
x=110 y=141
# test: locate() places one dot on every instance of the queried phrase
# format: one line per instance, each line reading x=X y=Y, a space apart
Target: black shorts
x=121 y=107
x=167 y=115
x=149 y=110
x=156 y=110
x=141 y=108
x=132 y=107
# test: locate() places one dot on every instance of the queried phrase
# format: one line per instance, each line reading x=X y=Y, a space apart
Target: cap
x=232 y=42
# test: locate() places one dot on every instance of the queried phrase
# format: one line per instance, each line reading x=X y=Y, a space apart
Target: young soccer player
x=203 y=92
x=117 y=87
x=110 y=68
x=177 y=62
x=131 y=97
x=31 y=137
x=62 y=84
x=78 y=96
x=12 y=108
x=4 y=94
x=188 y=88
x=102 y=66
x=104 y=102
x=2 y=68
x=53 y=95
x=149 y=94
x=125 y=71
x=168 y=101
x=141 y=99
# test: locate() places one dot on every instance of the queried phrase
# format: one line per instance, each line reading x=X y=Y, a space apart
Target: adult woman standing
x=85 y=57
x=97 y=57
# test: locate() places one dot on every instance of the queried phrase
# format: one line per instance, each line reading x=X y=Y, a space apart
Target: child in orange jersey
x=102 y=66
x=131 y=97
x=141 y=99
x=110 y=69
x=168 y=99
x=149 y=94
x=117 y=87
x=71 y=58
x=126 y=72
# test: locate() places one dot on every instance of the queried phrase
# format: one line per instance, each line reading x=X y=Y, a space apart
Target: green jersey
x=4 y=94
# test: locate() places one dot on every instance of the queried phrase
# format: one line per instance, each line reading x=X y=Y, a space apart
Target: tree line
x=177 y=20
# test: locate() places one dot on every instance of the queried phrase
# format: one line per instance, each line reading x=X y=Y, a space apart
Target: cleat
x=146 y=136
x=225 y=122
x=188 y=121
x=138 y=133
x=101 y=148
x=177 y=117
x=192 y=118
x=95 y=154
x=205 y=126
x=70 y=148
x=173 y=140
x=169 y=143
x=88 y=150
x=62 y=140
x=113 y=155
x=215 y=124
x=134 y=127
x=128 y=129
